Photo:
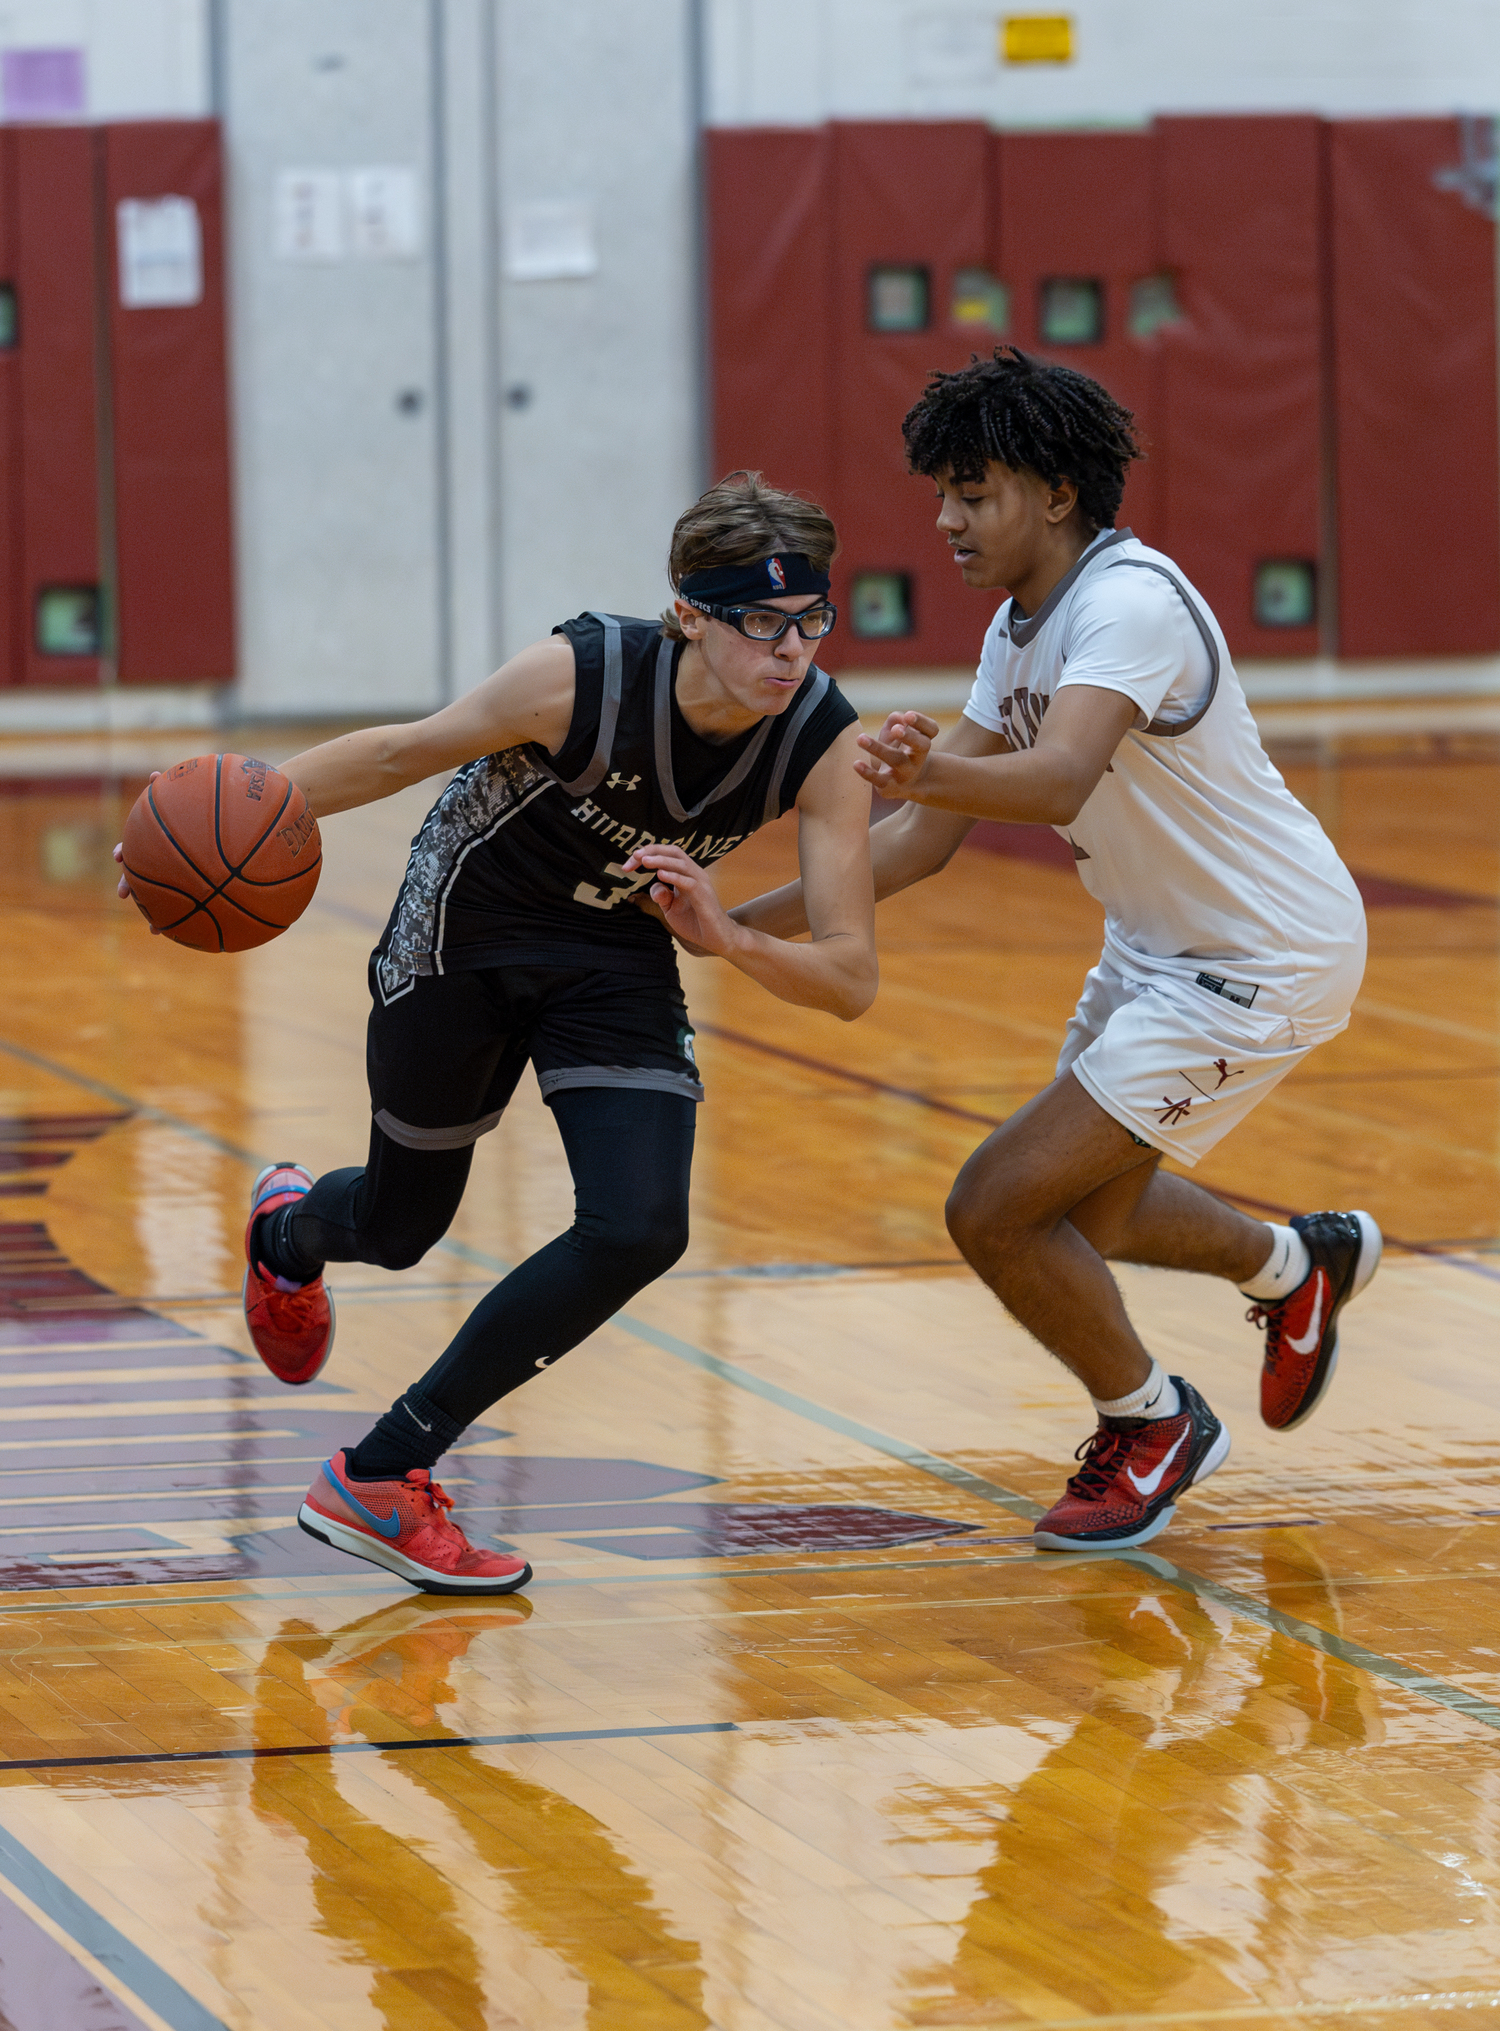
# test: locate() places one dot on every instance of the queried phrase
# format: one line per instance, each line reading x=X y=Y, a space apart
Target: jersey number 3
x=605 y=899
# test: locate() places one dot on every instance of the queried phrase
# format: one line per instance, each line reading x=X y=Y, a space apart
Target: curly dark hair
x=1028 y=414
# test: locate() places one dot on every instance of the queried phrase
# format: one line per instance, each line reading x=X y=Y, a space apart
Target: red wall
x=12 y=599
x=144 y=513
x=1414 y=378
x=55 y=291
x=1084 y=205
x=173 y=543
x=1241 y=228
x=771 y=303
x=904 y=192
x=1328 y=394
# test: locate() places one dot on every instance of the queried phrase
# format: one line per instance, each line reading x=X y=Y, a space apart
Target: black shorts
x=444 y=1057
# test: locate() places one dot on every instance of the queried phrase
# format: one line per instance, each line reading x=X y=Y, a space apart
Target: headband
x=765 y=578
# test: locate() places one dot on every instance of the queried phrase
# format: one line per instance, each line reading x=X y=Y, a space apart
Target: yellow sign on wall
x=1036 y=38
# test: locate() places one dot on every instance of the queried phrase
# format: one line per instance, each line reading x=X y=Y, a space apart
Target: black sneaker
x=1134 y=1469
x=1302 y=1335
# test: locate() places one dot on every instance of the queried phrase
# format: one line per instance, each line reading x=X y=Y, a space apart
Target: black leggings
x=630 y=1150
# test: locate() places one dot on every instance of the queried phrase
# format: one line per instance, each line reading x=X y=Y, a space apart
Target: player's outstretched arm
x=905 y=848
x=1047 y=784
x=837 y=971
x=530 y=698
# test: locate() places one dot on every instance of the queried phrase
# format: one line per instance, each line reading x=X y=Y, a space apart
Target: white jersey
x=1208 y=868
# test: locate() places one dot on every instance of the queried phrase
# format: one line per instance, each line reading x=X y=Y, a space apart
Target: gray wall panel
x=339 y=567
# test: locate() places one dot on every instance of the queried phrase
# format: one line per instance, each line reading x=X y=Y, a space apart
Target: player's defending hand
x=689 y=906
x=898 y=754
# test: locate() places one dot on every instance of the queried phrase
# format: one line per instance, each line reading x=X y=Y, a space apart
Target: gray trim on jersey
x=789 y=741
x=662 y=715
x=1168 y=729
x=1024 y=632
x=609 y=709
x=410 y=1137
x=619 y=1075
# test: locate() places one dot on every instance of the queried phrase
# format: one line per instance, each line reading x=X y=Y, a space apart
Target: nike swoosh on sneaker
x=1310 y=1339
x=1154 y=1479
x=388 y=1526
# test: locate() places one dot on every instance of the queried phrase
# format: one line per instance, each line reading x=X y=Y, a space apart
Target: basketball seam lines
x=217 y=889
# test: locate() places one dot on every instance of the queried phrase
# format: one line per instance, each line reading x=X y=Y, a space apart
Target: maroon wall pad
x=1240 y=201
x=55 y=284
x=918 y=194
x=12 y=591
x=1414 y=374
x=1081 y=207
x=770 y=303
x=171 y=425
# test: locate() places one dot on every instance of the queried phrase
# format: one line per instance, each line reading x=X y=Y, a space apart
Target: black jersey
x=521 y=860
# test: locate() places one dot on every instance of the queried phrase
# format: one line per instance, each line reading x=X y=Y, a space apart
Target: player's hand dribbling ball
x=221 y=853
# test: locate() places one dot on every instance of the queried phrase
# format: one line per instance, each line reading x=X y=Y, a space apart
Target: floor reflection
x=552 y=1869
x=1159 y=1829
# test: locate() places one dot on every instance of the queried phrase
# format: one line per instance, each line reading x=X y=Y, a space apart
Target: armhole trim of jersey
x=665 y=782
x=791 y=734
x=1166 y=729
x=609 y=710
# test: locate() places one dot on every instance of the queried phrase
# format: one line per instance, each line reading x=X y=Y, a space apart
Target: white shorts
x=1176 y=1064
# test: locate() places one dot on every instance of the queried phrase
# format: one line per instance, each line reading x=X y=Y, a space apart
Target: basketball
x=222 y=853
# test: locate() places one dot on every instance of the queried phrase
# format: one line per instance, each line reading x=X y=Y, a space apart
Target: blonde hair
x=740 y=520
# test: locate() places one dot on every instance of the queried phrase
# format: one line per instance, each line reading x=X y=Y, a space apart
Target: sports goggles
x=768 y=623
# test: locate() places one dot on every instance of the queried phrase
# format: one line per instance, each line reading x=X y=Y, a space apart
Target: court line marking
x=261 y=1755
x=141 y=1976
x=1423 y=1684
x=107 y=1979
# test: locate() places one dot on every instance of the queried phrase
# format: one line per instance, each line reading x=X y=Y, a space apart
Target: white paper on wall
x=384 y=220
x=951 y=46
x=551 y=240
x=309 y=215
x=161 y=252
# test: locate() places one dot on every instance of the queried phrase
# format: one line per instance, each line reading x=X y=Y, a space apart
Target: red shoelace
x=1100 y=1456
x=1268 y=1318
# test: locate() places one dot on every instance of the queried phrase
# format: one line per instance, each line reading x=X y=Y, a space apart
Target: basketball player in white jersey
x=1106 y=706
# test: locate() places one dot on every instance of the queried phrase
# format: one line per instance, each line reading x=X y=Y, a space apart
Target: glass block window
x=1071 y=311
x=1286 y=593
x=980 y=302
x=880 y=605
x=1153 y=306
x=68 y=620
x=897 y=299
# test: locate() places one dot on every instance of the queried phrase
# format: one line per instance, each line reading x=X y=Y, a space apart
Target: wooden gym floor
x=792 y=1730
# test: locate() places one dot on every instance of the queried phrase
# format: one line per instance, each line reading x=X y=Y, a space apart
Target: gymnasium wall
x=800 y=62
x=1301 y=313
x=115 y=543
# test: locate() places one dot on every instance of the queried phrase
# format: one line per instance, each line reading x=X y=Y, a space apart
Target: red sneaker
x=291 y=1325
x=403 y=1525
x=1302 y=1336
x=1133 y=1471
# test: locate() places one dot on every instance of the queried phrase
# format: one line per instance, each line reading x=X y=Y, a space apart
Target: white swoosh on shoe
x=1310 y=1339
x=1154 y=1479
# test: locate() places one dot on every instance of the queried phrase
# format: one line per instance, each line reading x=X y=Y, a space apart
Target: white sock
x=1156 y=1397
x=1287 y=1266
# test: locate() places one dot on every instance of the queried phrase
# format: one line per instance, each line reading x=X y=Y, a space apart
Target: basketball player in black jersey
x=599 y=775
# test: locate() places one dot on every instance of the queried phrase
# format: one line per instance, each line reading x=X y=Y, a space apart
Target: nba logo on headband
x=775 y=573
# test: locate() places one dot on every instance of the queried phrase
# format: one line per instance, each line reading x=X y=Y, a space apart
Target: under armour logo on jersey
x=618 y=782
